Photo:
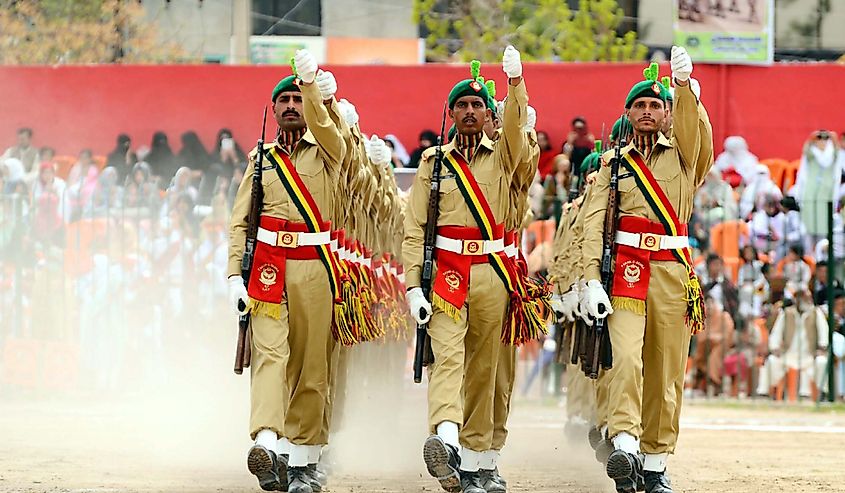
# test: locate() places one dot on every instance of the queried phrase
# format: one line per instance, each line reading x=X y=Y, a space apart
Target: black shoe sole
x=620 y=470
x=260 y=464
x=436 y=457
x=495 y=487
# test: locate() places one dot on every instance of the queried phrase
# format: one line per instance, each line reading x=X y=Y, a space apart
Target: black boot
x=298 y=480
x=263 y=464
x=314 y=478
x=603 y=451
x=471 y=482
x=492 y=482
x=594 y=436
x=626 y=470
x=443 y=462
x=657 y=482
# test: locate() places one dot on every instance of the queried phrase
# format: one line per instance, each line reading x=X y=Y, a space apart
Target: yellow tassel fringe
x=267 y=309
x=632 y=305
x=446 y=307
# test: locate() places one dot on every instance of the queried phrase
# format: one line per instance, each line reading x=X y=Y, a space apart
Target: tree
x=543 y=30
x=89 y=31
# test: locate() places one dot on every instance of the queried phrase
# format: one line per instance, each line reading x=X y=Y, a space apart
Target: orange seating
x=777 y=168
x=100 y=161
x=725 y=238
x=790 y=175
x=63 y=165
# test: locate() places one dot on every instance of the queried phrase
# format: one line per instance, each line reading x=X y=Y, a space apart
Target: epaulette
x=606 y=157
x=426 y=154
x=254 y=150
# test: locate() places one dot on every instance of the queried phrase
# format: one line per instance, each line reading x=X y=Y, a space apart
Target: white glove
x=500 y=108
x=378 y=151
x=237 y=294
x=595 y=298
x=350 y=114
x=681 y=63
x=557 y=305
x=306 y=65
x=327 y=84
x=512 y=63
x=570 y=304
x=695 y=86
x=420 y=307
x=530 y=119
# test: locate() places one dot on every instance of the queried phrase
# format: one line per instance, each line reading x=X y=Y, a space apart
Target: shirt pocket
x=631 y=199
x=451 y=200
x=273 y=189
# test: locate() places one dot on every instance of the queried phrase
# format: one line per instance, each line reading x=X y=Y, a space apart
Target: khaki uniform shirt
x=679 y=165
x=493 y=167
x=317 y=158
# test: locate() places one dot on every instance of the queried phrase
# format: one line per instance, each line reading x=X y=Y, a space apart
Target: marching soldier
x=471 y=290
x=294 y=289
x=656 y=297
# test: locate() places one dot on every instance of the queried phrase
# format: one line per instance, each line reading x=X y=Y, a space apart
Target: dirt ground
x=194 y=441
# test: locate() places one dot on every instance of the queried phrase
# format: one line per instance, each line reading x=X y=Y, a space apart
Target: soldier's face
x=647 y=115
x=288 y=111
x=469 y=114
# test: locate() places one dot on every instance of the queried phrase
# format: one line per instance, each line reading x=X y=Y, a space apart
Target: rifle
x=423 y=355
x=243 y=348
x=599 y=353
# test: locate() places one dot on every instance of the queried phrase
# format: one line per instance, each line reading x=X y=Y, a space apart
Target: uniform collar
x=662 y=140
x=485 y=142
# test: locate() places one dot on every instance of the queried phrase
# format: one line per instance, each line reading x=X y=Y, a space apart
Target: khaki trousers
x=268 y=384
x=310 y=309
x=336 y=397
x=649 y=359
x=505 y=375
x=580 y=394
x=602 y=390
x=462 y=380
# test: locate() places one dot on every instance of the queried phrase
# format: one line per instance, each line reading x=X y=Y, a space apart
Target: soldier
x=470 y=296
x=655 y=291
x=293 y=290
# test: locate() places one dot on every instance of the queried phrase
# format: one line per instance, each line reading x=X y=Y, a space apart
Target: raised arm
x=691 y=127
x=512 y=148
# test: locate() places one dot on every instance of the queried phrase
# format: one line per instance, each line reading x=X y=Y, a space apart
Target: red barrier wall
x=69 y=108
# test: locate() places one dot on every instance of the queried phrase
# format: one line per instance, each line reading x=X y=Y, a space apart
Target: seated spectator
x=759 y=188
x=752 y=286
x=796 y=272
x=427 y=139
x=715 y=199
x=25 y=152
x=736 y=164
x=546 y=164
x=766 y=228
x=117 y=158
x=399 y=156
x=711 y=347
x=797 y=344
x=161 y=158
x=716 y=285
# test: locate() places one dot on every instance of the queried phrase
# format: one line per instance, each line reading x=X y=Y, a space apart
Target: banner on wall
x=278 y=50
x=740 y=32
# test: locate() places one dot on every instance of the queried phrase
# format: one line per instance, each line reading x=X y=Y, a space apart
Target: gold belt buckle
x=650 y=242
x=288 y=239
x=473 y=247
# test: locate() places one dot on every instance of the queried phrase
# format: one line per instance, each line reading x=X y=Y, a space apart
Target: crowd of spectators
x=147 y=222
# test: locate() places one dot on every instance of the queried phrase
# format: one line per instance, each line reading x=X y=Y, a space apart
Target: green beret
x=289 y=83
x=468 y=87
x=621 y=127
x=647 y=89
x=590 y=163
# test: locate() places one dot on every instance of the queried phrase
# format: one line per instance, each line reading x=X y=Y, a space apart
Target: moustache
x=469 y=119
x=646 y=119
x=290 y=113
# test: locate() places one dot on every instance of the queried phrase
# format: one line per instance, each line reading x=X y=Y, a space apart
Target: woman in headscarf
x=400 y=156
x=817 y=184
x=736 y=163
x=107 y=194
x=226 y=158
x=118 y=158
x=193 y=153
x=161 y=158
x=759 y=188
